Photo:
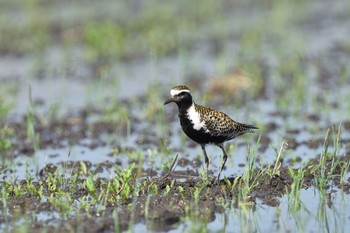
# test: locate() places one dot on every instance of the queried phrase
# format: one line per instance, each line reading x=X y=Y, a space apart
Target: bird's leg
x=225 y=159
x=206 y=159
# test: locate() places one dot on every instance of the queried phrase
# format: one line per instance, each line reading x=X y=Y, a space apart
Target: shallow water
x=69 y=85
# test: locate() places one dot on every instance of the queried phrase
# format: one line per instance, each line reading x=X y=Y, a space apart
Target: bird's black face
x=182 y=98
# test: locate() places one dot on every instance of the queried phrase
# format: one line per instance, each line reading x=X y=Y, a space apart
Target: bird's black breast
x=199 y=136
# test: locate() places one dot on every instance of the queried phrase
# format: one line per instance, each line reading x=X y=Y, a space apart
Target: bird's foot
x=214 y=181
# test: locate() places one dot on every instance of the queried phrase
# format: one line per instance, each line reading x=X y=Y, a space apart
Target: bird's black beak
x=169 y=101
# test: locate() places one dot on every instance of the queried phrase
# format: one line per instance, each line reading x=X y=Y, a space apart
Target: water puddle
x=74 y=120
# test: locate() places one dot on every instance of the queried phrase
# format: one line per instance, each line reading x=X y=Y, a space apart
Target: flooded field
x=86 y=144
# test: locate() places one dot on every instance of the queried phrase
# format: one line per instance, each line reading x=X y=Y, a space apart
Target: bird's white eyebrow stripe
x=174 y=92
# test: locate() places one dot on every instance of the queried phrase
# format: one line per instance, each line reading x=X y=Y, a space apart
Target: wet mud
x=66 y=173
x=174 y=198
x=162 y=198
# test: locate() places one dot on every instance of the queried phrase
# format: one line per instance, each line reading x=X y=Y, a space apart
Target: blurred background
x=67 y=54
x=82 y=83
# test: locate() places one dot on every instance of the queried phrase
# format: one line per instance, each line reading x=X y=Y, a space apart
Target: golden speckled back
x=220 y=124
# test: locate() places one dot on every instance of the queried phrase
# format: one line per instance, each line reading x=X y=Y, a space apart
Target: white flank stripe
x=174 y=92
x=195 y=119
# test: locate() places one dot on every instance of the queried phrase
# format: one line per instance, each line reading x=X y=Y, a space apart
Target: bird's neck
x=183 y=107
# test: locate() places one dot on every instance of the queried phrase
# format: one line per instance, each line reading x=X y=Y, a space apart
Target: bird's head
x=181 y=95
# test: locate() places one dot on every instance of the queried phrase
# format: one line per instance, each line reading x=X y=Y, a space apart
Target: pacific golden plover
x=206 y=125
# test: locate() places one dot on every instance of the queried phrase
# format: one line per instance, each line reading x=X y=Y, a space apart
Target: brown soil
x=167 y=207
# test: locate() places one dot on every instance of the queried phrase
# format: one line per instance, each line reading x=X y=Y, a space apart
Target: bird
x=205 y=125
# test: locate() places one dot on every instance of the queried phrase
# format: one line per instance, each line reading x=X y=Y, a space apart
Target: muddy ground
x=166 y=210
x=176 y=189
x=84 y=111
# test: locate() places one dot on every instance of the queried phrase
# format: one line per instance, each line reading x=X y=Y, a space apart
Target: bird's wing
x=220 y=124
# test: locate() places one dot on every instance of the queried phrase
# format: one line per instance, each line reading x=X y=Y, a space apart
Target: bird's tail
x=242 y=129
x=248 y=128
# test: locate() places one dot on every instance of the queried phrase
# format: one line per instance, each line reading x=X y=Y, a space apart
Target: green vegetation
x=59 y=191
x=83 y=192
x=32 y=135
x=5 y=141
x=6 y=131
x=277 y=77
x=126 y=33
